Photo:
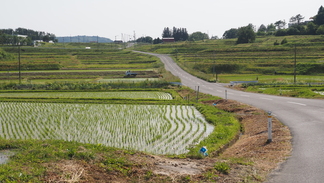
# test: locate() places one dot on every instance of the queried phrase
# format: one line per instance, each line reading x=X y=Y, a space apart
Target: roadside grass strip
x=105 y=95
x=127 y=80
x=157 y=129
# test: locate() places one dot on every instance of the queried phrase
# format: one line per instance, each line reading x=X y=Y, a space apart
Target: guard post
x=226 y=95
x=269 y=127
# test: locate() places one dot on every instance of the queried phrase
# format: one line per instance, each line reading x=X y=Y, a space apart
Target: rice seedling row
x=143 y=95
x=158 y=129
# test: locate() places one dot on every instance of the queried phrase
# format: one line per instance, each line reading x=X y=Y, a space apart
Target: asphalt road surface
x=304 y=117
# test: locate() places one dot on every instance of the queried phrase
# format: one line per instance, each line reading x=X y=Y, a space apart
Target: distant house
x=37 y=42
x=168 y=40
x=118 y=41
x=22 y=36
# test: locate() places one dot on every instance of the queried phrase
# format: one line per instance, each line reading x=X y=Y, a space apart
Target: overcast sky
x=121 y=18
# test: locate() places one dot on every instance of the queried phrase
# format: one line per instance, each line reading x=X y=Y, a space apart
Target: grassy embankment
x=263 y=61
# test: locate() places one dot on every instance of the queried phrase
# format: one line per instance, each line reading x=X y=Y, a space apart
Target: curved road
x=304 y=117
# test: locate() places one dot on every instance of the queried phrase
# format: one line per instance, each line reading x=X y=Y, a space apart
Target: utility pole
x=295 y=65
x=197 y=93
x=19 y=73
x=215 y=68
x=97 y=42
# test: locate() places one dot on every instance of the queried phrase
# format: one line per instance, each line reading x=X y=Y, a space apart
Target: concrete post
x=269 y=127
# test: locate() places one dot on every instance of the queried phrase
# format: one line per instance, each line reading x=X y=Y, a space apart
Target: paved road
x=304 y=117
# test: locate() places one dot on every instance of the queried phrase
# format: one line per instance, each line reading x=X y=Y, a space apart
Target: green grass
x=32 y=159
x=303 y=91
x=226 y=78
x=73 y=58
x=128 y=80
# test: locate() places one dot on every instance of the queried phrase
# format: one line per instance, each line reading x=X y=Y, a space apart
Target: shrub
x=222 y=167
x=284 y=41
x=276 y=43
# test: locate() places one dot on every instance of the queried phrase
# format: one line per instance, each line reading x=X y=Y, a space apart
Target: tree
x=293 y=31
x=262 y=30
x=166 y=32
x=157 y=41
x=229 y=34
x=271 y=29
x=280 y=24
x=319 y=18
x=197 y=36
x=146 y=39
x=281 y=32
x=296 y=19
x=245 y=35
x=311 y=28
x=46 y=38
x=179 y=34
x=320 y=30
x=214 y=37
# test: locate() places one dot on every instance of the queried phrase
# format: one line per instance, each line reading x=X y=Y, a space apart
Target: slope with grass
x=205 y=58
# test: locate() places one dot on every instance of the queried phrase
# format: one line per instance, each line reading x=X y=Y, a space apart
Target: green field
x=76 y=105
x=41 y=64
x=205 y=58
x=91 y=95
x=226 y=78
x=152 y=128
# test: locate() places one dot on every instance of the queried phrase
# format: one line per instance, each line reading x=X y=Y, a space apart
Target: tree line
x=178 y=34
x=247 y=34
x=13 y=37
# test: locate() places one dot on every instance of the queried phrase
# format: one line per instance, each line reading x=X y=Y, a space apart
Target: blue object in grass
x=203 y=151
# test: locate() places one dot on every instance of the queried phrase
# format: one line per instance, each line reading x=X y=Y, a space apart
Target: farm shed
x=168 y=40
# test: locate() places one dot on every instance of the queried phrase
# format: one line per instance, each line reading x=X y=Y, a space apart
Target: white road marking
x=219 y=90
x=245 y=95
x=297 y=103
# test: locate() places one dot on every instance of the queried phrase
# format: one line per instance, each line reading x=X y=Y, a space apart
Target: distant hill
x=83 y=39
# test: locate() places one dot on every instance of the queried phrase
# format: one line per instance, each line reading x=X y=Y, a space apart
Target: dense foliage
x=245 y=35
x=9 y=36
x=295 y=27
x=179 y=34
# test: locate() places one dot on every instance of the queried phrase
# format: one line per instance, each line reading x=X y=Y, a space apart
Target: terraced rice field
x=130 y=95
x=157 y=129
